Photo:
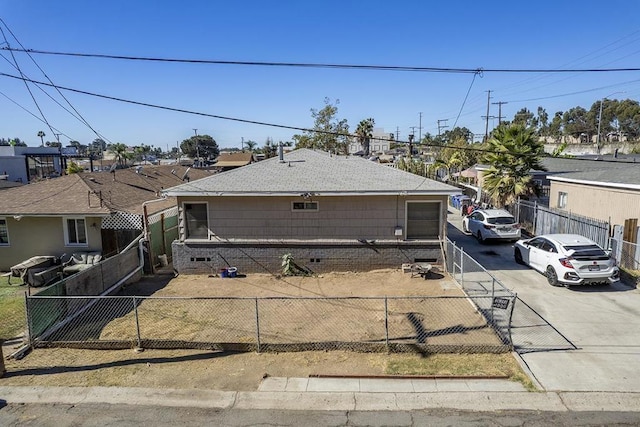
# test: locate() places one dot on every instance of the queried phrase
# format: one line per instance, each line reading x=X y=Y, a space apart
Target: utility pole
x=499 y=104
x=442 y=126
x=420 y=129
x=242 y=143
x=397 y=133
x=486 y=128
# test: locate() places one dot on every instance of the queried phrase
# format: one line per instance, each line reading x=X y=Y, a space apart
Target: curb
x=327 y=401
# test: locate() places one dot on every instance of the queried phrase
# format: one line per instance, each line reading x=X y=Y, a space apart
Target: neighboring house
x=378 y=144
x=331 y=213
x=231 y=160
x=607 y=190
x=27 y=164
x=607 y=194
x=5 y=183
x=99 y=211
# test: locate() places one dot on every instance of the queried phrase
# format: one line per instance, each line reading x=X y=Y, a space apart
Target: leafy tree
x=555 y=127
x=576 y=122
x=329 y=133
x=54 y=144
x=81 y=149
x=251 y=145
x=97 y=146
x=525 y=118
x=513 y=152
x=543 y=122
x=270 y=149
x=74 y=168
x=364 y=133
x=41 y=135
x=200 y=145
x=628 y=114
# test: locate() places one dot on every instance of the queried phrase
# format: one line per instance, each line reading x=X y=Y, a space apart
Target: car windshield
x=586 y=251
x=501 y=220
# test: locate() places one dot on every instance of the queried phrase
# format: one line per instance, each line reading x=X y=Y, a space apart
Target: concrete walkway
x=330 y=394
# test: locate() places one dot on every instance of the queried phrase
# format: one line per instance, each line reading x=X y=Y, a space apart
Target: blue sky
x=464 y=34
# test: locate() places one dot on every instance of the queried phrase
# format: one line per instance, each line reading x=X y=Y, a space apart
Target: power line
x=36 y=117
x=44 y=118
x=325 y=65
x=79 y=116
x=235 y=119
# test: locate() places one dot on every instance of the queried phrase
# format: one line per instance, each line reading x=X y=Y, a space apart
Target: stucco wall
x=33 y=236
x=601 y=203
x=339 y=217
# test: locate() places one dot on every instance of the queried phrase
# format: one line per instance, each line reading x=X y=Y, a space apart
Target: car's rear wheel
x=552 y=276
x=518 y=256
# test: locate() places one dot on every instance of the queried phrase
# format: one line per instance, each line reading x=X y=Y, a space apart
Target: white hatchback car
x=491 y=224
x=567 y=259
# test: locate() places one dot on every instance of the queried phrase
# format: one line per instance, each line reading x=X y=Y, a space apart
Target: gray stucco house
x=331 y=213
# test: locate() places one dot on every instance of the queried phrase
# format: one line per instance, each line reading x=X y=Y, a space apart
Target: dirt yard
x=243 y=371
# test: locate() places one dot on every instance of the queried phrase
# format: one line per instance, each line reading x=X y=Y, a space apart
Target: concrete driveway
x=572 y=339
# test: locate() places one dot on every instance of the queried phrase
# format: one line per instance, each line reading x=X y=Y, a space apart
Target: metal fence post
x=257 y=325
x=29 y=318
x=493 y=296
x=514 y=298
x=462 y=267
x=135 y=310
x=386 y=322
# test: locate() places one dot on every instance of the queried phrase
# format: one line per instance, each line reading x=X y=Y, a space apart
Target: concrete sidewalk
x=330 y=394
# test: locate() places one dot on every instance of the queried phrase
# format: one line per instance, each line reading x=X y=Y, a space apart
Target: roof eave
x=595 y=183
x=315 y=193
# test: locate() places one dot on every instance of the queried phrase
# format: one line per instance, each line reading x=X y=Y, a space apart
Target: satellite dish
x=113 y=167
x=185 y=175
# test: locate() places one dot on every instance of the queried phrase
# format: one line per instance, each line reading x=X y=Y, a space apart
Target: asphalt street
x=573 y=339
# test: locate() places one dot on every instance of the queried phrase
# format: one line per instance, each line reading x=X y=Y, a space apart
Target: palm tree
x=364 y=133
x=41 y=135
x=250 y=144
x=120 y=152
x=513 y=152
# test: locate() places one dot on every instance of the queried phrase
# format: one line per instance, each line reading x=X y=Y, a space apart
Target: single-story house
x=330 y=212
x=605 y=194
x=92 y=211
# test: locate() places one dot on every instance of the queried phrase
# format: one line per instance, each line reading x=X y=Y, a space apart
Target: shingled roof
x=305 y=170
x=96 y=193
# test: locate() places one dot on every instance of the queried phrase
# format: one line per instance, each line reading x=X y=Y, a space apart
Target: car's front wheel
x=518 y=256
x=552 y=276
x=480 y=238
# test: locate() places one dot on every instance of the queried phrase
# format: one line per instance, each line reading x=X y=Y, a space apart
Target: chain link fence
x=398 y=324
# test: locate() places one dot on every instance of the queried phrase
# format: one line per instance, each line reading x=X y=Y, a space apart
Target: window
x=196 y=221
x=4 y=232
x=305 y=206
x=75 y=232
x=423 y=220
x=562 y=199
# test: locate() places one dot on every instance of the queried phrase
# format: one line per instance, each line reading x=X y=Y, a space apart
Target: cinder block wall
x=209 y=258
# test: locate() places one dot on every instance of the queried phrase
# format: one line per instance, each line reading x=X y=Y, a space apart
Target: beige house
x=97 y=212
x=330 y=212
x=607 y=194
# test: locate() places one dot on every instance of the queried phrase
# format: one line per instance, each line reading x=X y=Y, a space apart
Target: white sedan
x=487 y=224
x=567 y=259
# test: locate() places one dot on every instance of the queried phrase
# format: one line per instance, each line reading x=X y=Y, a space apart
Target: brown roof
x=237 y=159
x=97 y=193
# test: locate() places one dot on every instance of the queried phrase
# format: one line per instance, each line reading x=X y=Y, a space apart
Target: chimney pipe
x=280 y=152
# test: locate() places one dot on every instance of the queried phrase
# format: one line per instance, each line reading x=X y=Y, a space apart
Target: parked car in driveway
x=487 y=224
x=567 y=259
